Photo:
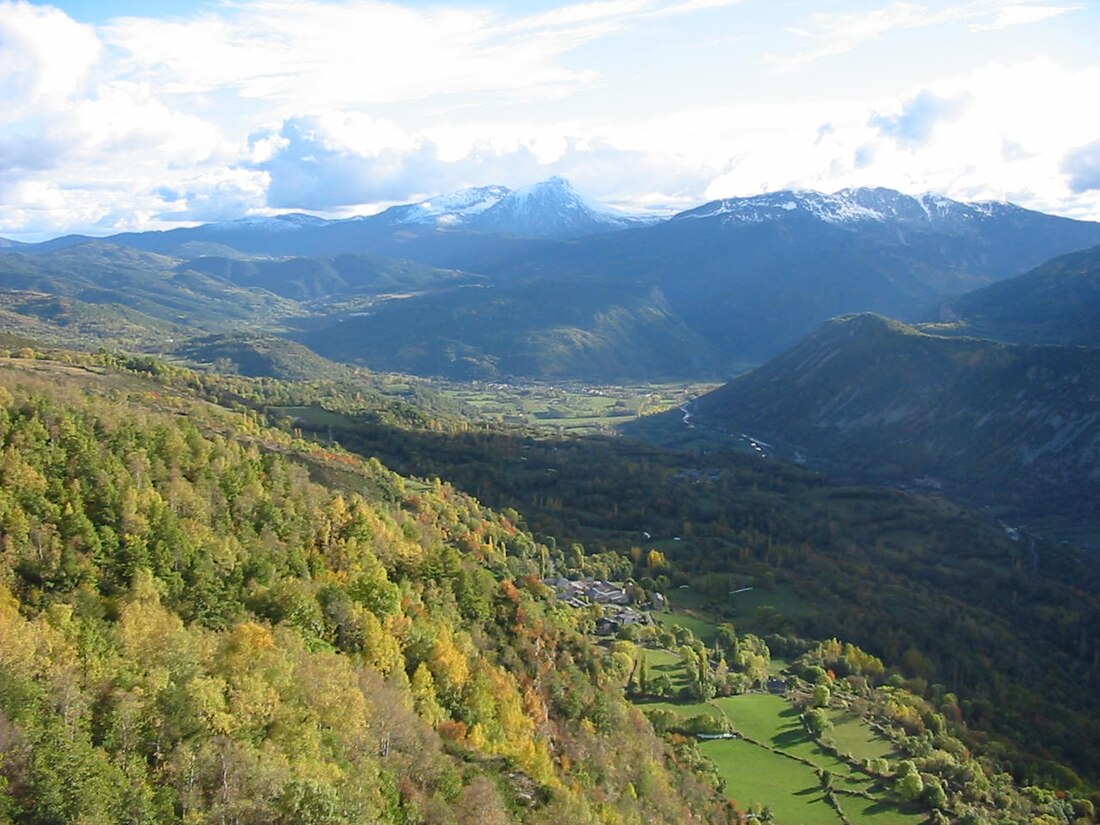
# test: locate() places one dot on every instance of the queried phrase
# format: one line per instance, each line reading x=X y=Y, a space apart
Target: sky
x=120 y=115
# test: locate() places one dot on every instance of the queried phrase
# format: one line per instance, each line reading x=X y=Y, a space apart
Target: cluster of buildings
x=584 y=592
x=619 y=609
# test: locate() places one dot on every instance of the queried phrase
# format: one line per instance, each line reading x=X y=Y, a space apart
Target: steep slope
x=1000 y=422
x=205 y=620
x=1056 y=303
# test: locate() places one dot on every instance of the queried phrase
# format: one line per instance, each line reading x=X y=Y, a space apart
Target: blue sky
x=125 y=115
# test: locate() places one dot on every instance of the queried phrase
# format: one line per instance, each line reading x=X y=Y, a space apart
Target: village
x=620 y=607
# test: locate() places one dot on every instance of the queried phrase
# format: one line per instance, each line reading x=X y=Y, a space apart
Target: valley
x=509 y=404
x=646 y=412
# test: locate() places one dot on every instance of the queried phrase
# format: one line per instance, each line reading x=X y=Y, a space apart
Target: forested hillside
x=945 y=596
x=1056 y=303
x=206 y=620
x=990 y=422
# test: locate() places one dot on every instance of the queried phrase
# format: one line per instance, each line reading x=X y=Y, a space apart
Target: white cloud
x=323 y=170
x=313 y=56
x=1033 y=107
x=689 y=6
x=1022 y=15
x=842 y=32
x=347 y=104
x=162 y=118
x=45 y=57
x=914 y=125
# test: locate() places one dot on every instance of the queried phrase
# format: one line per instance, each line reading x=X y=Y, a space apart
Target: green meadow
x=701 y=628
x=852 y=735
x=777 y=764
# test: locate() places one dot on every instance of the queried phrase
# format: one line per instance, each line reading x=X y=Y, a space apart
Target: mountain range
x=537 y=282
x=550 y=209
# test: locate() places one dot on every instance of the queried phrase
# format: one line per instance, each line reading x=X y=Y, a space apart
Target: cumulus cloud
x=1008 y=141
x=222 y=194
x=259 y=104
x=254 y=106
x=313 y=171
x=45 y=57
x=913 y=126
x=1082 y=166
x=321 y=169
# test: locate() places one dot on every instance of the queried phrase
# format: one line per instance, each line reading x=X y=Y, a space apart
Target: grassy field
x=852 y=735
x=660 y=662
x=778 y=763
x=868 y=812
x=780 y=766
x=760 y=716
x=703 y=629
x=783 y=601
x=575 y=408
x=753 y=774
x=315 y=417
x=685 y=710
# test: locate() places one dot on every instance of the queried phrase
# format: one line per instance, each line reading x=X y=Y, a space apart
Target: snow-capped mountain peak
x=846 y=207
x=549 y=209
x=454 y=208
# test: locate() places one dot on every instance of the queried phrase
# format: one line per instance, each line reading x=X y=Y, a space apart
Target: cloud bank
x=341 y=106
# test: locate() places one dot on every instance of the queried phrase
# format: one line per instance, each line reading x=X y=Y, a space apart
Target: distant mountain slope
x=260 y=356
x=448 y=210
x=701 y=295
x=742 y=278
x=496 y=215
x=531 y=329
x=62 y=320
x=97 y=272
x=304 y=279
x=752 y=275
x=1056 y=303
x=877 y=396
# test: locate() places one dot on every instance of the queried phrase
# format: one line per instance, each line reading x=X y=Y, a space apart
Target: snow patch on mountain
x=454 y=208
x=290 y=222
